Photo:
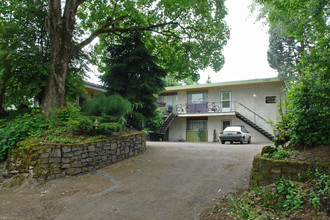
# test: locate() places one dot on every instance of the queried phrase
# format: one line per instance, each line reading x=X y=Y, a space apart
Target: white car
x=236 y=133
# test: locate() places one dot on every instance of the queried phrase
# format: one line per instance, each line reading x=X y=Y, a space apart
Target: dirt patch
x=43 y=201
x=319 y=154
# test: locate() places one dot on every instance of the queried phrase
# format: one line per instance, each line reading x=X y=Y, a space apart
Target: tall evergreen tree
x=133 y=73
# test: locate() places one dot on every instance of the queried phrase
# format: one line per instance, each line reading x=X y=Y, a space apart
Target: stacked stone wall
x=267 y=171
x=49 y=161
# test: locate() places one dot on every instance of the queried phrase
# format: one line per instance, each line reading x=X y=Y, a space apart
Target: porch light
x=96 y=124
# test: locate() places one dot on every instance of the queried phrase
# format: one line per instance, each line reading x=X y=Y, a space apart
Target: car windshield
x=232 y=129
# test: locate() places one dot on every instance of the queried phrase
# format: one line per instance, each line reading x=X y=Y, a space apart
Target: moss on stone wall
x=25 y=154
x=49 y=161
x=266 y=171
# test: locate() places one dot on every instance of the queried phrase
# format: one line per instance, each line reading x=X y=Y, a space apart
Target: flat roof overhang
x=241 y=83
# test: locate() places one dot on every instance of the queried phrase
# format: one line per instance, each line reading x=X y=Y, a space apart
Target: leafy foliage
x=85 y=124
x=24 y=52
x=278 y=154
x=25 y=56
x=19 y=128
x=174 y=31
x=321 y=194
x=65 y=125
x=308 y=110
x=286 y=197
x=300 y=50
x=283 y=198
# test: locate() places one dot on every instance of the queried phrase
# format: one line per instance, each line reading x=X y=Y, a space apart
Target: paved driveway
x=169 y=181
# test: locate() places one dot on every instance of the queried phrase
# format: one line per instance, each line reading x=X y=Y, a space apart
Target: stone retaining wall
x=266 y=171
x=49 y=161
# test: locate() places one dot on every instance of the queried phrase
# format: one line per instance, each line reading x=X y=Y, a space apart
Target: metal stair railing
x=167 y=123
x=255 y=118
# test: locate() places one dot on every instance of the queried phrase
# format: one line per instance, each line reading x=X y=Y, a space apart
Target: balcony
x=232 y=108
x=202 y=108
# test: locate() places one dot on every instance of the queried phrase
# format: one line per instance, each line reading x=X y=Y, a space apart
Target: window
x=169 y=98
x=197 y=97
x=225 y=124
x=226 y=101
x=196 y=124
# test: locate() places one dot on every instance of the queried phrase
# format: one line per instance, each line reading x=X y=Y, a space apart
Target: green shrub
x=278 y=154
x=109 y=118
x=214 y=135
x=19 y=128
x=284 y=197
x=85 y=124
x=321 y=193
x=109 y=128
x=59 y=117
x=114 y=105
x=308 y=109
x=268 y=150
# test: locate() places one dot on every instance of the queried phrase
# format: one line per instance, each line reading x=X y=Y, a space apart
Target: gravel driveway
x=169 y=181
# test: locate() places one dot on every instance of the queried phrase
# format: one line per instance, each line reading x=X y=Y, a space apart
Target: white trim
x=227 y=109
x=207 y=114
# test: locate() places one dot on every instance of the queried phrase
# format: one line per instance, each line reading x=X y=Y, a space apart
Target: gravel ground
x=169 y=181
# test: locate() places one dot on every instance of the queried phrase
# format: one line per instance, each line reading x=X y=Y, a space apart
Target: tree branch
x=105 y=29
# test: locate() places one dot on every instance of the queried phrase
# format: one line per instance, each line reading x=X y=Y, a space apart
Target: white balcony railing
x=219 y=107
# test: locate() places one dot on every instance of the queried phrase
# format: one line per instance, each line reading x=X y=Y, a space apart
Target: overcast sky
x=246 y=50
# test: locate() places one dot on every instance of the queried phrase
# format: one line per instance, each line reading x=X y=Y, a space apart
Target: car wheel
x=241 y=142
x=223 y=142
x=231 y=142
x=249 y=141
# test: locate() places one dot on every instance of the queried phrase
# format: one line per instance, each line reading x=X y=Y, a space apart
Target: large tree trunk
x=60 y=29
x=54 y=94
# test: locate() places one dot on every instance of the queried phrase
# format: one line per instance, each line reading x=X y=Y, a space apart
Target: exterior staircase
x=167 y=122
x=255 y=126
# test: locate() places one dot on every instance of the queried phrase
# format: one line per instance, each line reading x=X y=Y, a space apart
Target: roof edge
x=272 y=80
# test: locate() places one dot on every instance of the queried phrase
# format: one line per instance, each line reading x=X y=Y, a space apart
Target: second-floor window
x=197 y=101
x=169 y=98
x=197 y=97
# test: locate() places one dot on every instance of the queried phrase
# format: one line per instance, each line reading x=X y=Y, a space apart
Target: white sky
x=246 y=50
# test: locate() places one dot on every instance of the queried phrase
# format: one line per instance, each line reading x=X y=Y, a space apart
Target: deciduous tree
x=24 y=52
x=303 y=47
x=187 y=35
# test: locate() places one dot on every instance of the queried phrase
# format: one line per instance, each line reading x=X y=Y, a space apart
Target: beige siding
x=245 y=95
x=182 y=97
x=177 y=130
